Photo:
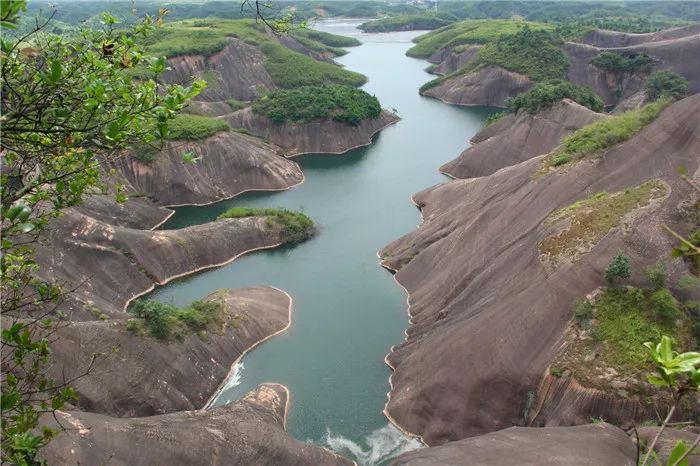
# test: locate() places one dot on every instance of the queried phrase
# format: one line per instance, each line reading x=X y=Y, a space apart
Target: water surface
x=347 y=310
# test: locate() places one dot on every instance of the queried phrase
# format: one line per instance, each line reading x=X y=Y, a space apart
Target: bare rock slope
x=588 y=445
x=248 y=431
x=480 y=336
x=675 y=50
x=229 y=164
x=319 y=136
x=488 y=86
x=143 y=376
x=111 y=264
x=516 y=138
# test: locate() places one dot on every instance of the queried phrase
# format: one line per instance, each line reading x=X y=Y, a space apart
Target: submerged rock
x=320 y=136
x=587 y=445
x=516 y=138
x=246 y=432
x=480 y=336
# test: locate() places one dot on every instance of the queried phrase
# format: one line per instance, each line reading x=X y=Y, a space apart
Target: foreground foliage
x=341 y=103
x=68 y=106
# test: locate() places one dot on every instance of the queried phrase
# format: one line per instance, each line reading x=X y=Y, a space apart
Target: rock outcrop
x=587 y=445
x=675 y=50
x=480 y=336
x=229 y=164
x=488 y=86
x=138 y=375
x=667 y=442
x=319 y=136
x=108 y=265
x=237 y=71
x=516 y=138
x=448 y=61
x=248 y=431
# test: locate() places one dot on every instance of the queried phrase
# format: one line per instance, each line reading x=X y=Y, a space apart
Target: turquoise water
x=347 y=310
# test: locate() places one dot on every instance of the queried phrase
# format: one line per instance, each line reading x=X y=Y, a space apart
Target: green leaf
x=678 y=451
x=9 y=400
x=56 y=71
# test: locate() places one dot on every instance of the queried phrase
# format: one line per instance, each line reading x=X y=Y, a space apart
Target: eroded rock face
x=675 y=50
x=667 y=442
x=110 y=265
x=481 y=336
x=229 y=164
x=248 y=431
x=237 y=71
x=587 y=445
x=489 y=86
x=516 y=138
x=138 y=375
x=448 y=60
x=320 y=136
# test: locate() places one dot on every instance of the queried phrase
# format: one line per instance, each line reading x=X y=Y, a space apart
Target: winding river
x=347 y=310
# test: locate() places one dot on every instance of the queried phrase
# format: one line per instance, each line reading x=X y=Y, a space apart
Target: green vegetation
x=666 y=84
x=532 y=52
x=494 y=117
x=631 y=62
x=237 y=104
x=592 y=218
x=424 y=20
x=297 y=226
x=166 y=321
x=582 y=310
x=323 y=42
x=287 y=67
x=656 y=276
x=467 y=32
x=618 y=269
x=576 y=29
x=603 y=134
x=195 y=127
x=543 y=95
x=305 y=104
x=290 y=69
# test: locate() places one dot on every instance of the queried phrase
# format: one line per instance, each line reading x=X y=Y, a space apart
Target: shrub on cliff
x=167 y=321
x=666 y=84
x=546 y=94
x=618 y=269
x=297 y=226
x=623 y=62
x=341 y=103
x=195 y=127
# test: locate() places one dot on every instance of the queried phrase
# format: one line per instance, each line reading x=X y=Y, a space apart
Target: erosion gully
x=347 y=310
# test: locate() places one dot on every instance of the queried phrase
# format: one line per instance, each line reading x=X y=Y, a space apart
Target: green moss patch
x=342 y=103
x=297 y=226
x=604 y=134
x=592 y=218
x=186 y=127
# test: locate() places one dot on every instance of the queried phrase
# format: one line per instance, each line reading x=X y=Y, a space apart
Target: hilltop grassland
x=287 y=67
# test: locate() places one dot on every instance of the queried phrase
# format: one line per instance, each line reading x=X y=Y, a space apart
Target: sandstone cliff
x=675 y=50
x=516 y=138
x=138 y=375
x=480 y=336
x=448 y=60
x=248 y=431
x=110 y=264
x=589 y=445
x=488 y=86
x=229 y=164
x=320 y=136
